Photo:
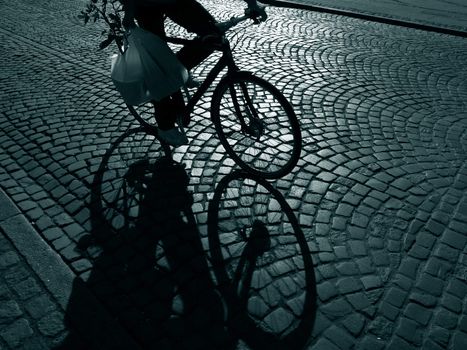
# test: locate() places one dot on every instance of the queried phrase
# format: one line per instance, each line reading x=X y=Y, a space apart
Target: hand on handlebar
x=257 y=13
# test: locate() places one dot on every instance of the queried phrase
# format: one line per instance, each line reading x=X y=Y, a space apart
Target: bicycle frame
x=226 y=60
x=254 y=127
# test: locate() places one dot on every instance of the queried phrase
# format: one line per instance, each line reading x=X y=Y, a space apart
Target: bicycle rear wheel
x=144 y=114
x=256 y=125
x=262 y=263
x=117 y=186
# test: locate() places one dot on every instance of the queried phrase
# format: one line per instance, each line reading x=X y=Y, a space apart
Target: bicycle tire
x=255 y=327
x=109 y=217
x=144 y=114
x=276 y=149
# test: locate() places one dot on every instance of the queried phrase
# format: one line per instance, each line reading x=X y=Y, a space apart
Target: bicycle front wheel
x=256 y=125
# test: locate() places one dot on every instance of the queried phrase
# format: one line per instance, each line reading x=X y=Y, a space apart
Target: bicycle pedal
x=193 y=83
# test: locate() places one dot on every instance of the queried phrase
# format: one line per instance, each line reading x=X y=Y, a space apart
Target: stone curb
x=368 y=17
x=59 y=280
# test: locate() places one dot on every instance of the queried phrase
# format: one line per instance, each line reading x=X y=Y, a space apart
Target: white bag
x=147 y=70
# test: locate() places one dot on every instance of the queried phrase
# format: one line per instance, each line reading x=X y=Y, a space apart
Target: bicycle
x=255 y=123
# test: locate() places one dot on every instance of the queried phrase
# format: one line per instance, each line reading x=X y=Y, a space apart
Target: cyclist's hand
x=257 y=13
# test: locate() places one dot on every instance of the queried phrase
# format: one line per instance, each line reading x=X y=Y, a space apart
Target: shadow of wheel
x=262 y=263
x=114 y=198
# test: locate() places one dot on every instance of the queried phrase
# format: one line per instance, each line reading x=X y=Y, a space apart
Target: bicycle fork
x=251 y=124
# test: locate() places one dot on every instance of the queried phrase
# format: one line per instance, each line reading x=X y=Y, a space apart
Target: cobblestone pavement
x=432 y=13
x=379 y=192
x=35 y=291
x=29 y=316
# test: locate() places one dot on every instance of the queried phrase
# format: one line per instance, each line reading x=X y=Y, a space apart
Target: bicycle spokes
x=123 y=180
x=245 y=111
x=257 y=126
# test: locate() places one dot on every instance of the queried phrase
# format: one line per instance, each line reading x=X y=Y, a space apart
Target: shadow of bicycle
x=149 y=268
x=262 y=264
x=153 y=275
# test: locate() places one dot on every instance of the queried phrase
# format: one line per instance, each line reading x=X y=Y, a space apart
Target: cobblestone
x=22 y=302
x=423 y=299
x=340 y=337
x=459 y=340
x=445 y=319
x=40 y=306
x=381 y=111
x=372 y=343
x=51 y=324
x=15 y=333
x=418 y=313
x=9 y=311
x=440 y=336
x=399 y=343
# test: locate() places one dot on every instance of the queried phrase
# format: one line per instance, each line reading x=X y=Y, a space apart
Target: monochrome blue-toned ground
x=379 y=192
x=448 y=14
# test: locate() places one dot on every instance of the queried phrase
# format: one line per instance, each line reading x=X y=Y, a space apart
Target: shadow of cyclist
x=166 y=212
x=151 y=274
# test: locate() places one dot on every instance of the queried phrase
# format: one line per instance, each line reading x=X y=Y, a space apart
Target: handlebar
x=222 y=26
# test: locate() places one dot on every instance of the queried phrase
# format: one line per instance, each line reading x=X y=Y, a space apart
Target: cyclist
x=191 y=15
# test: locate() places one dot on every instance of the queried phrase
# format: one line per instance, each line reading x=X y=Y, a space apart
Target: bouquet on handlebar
x=146 y=68
x=111 y=13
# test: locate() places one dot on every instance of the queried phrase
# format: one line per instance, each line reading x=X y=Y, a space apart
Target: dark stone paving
x=29 y=316
x=380 y=190
x=430 y=14
x=36 y=288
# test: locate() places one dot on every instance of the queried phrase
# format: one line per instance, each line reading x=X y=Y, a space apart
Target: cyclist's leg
x=151 y=18
x=187 y=13
x=193 y=17
x=165 y=119
x=196 y=19
x=166 y=112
